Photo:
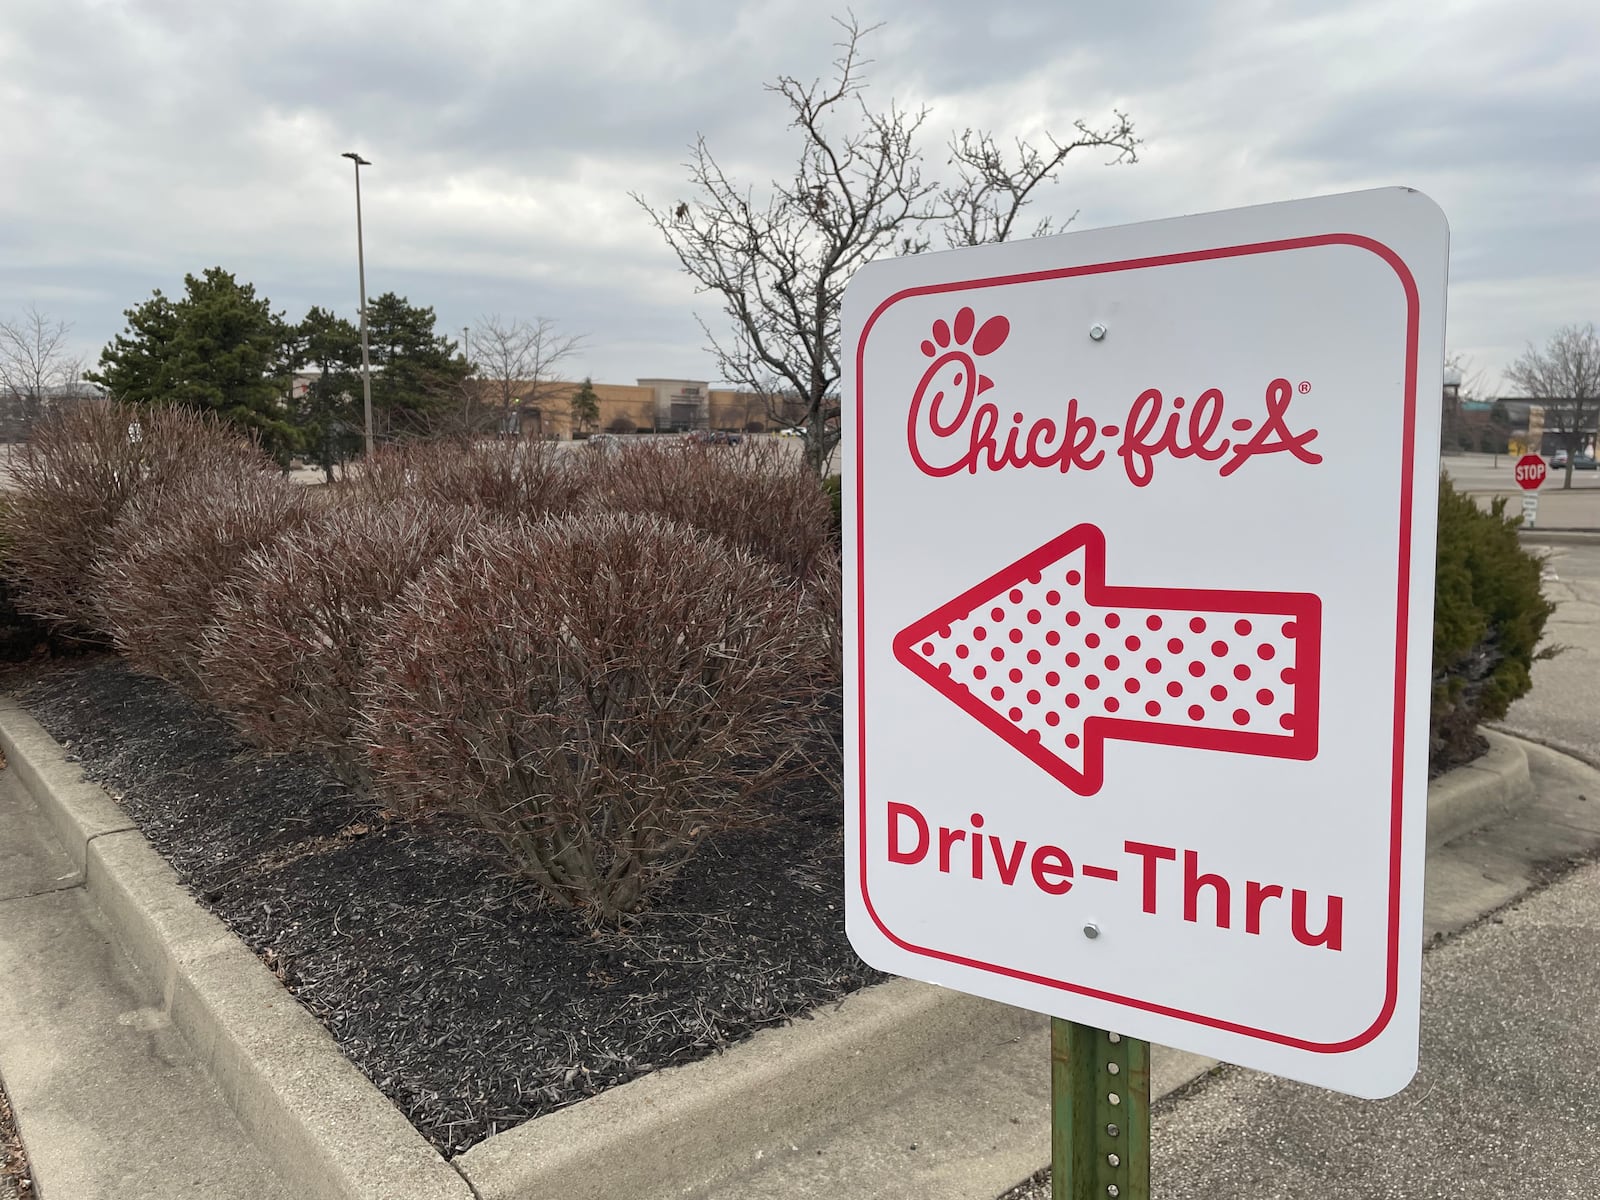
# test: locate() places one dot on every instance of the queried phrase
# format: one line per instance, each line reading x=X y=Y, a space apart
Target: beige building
x=648 y=406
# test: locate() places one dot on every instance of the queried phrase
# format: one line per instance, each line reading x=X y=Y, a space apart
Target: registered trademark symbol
x=1305 y=386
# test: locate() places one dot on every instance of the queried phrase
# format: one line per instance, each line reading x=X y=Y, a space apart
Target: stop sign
x=1530 y=471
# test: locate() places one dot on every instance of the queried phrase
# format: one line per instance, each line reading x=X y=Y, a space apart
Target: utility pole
x=361 y=267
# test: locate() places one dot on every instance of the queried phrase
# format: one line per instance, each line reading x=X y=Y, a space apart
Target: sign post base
x=1099 y=1114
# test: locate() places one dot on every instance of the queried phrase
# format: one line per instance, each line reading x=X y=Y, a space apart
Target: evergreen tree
x=585 y=406
x=416 y=374
x=218 y=349
x=329 y=413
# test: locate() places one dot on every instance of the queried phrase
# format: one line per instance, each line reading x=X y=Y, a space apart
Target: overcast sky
x=143 y=139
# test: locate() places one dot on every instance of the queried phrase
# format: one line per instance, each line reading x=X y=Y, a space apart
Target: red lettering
x=1078 y=435
x=1139 y=448
x=1052 y=870
x=948 y=432
x=910 y=837
x=984 y=424
x=1151 y=855
x=895 y=812
x=1274 y=436
x=1332 y=928
x=1255 y=895
x=1136 y=450
x=1039 y=437
x=947 y=840
x=1193 y=881
x=1204 y=418
x=933 y=410
x=1007 y=866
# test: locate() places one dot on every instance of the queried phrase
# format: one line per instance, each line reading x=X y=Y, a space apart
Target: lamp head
x=355 y=158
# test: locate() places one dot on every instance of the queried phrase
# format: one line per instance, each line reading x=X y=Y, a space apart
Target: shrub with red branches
x=295 y=624
x=599 y=693
x=509 y=478
x=71 y=481
x=824 y=624
x=756 y=495
x=170 y=550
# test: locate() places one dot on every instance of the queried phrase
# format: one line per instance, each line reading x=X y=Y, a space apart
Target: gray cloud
x=149 y=139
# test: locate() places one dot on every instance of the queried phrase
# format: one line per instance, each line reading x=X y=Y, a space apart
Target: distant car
x=794 y=431
x=1580 y=462
x=713 y=437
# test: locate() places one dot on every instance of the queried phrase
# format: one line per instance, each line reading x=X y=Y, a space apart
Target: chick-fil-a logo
x=949 y=430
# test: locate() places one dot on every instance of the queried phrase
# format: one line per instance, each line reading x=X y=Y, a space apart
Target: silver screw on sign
x=1091 y=931
x=1097 y=332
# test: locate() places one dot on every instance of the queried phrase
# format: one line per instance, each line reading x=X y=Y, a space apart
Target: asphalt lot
x=1492 y=473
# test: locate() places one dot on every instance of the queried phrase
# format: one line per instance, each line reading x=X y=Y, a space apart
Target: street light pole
x=361 y=266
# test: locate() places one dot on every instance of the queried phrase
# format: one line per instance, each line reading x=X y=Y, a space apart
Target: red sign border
x=1402 y=616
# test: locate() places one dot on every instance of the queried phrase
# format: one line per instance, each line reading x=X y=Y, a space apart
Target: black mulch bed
x=465 y=1001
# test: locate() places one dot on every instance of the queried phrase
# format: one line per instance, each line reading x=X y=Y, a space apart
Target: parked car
x=1580 y=462
x=713 y=437
x=793 y=431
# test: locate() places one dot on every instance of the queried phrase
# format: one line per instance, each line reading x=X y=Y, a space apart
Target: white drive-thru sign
x=1139 y=542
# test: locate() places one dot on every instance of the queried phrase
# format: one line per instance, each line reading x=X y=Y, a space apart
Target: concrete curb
x=326 y=1129
x=1539 y=536
x=331 y=1133
x=685 y=1127
x=78 y=811
x=1493 y=786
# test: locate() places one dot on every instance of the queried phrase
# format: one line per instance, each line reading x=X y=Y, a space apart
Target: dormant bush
x=170 y=550
x=757 y=495
x=22 y=635
x=508 y=477
x=294 y=625
x=600 y=693
x=824 y=612
x=71 y=481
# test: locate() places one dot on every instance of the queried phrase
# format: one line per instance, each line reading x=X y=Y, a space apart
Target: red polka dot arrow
x=1055 y=661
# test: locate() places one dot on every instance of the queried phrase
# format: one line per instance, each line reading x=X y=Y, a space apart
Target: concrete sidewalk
x=109 y=1098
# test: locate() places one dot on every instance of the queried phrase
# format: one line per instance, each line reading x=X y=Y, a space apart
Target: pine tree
x=329 y=413
x=585 y=406
x=416 y=373
x=219 y=349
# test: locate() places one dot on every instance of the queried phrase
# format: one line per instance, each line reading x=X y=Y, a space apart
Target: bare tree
x=779 y=263
x=1564 y=376
x=519 y=360
x=1464 y=384
x=34 y=360
x=990 y=192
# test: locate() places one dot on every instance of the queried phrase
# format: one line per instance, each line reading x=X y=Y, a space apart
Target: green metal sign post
x=1099 y=1114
